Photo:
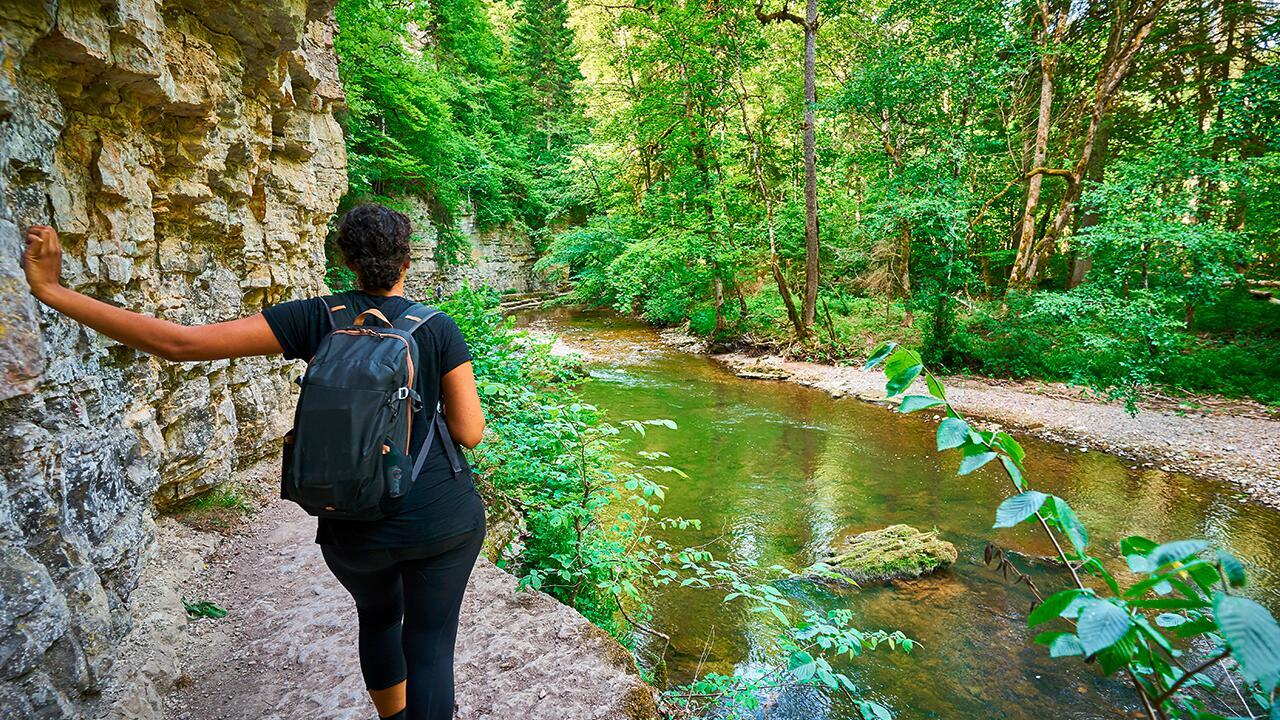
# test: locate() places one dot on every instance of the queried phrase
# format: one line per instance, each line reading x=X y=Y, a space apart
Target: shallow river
x=779 y=472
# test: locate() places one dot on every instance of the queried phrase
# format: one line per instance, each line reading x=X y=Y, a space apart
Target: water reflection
x=778 y=473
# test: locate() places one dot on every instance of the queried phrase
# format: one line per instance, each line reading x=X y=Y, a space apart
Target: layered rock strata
x=188 y=154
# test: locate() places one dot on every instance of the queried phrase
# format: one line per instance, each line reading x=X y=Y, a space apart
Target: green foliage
x=204 y=609
x=926 y=121
x=589 y=512
x=437 y=108
x=1181 y=595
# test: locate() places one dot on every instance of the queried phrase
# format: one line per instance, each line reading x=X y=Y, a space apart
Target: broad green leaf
x=1137 y=545
x=1232 y=568
x=952 y=433
x=901 y=381
x=1175 y=551
x=935 y=387
x=1070 y=524
x=975 y=461
x=803 y=666
x=1015 y=473
x=912 y=403
x=900 y=361
x=1253 y=636
x=1139 y=563
x=1053 y=606
x=879 y=355
x=874 y=711
x=1018 y=508
x=1066 y=645
x=1006 y=443
x=1101 y=626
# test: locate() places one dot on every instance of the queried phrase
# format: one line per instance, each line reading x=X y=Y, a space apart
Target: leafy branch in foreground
x=1185 y=599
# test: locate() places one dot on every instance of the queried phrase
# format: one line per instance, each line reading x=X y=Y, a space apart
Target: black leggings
x=408 y=601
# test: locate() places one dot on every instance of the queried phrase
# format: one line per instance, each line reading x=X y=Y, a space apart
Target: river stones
x=766 y=368
x=895 y=552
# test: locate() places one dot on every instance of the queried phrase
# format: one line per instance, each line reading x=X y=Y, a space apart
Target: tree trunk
x=1115 y=68
x=757 y=156
x=1023 y=272
x=1081 y=263
x=810 y=163
x=719 y=294
x=904 y=274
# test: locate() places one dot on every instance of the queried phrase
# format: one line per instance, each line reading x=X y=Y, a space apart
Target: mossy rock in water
x=898 y=551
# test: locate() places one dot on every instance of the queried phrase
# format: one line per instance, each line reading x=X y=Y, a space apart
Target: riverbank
x=1231 y=441
x=287 y=646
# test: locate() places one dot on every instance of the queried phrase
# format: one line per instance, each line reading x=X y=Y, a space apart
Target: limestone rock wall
x=186 y=150
x=499 y=257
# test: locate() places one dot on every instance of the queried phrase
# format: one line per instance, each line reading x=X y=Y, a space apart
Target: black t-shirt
x=438 y=506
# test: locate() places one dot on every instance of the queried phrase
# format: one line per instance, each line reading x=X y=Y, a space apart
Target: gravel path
x=1235 y=442
x=287 y=648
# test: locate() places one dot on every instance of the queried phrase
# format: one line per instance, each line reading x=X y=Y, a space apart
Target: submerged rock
x=898 y=551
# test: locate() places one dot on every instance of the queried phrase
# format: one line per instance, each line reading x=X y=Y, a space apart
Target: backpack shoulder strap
x=341 y=314
x=414 y=317
x=440 y=428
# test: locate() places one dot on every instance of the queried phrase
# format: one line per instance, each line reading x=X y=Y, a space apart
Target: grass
x=224 y=507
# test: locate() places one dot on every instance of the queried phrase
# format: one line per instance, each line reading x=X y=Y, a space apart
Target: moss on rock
x=898 y=551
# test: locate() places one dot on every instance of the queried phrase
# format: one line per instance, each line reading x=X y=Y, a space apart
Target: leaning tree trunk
x=1023 y=272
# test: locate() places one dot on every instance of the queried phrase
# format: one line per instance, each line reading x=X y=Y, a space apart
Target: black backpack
x=347 y=455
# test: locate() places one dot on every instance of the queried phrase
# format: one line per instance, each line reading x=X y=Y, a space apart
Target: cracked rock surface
x=188 y=155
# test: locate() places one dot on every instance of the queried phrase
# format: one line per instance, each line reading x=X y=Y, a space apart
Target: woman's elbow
x=471 y=436
x=473 y=439
x=177 y=344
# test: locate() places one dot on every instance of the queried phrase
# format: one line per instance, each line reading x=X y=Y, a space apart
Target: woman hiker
x=406 y=572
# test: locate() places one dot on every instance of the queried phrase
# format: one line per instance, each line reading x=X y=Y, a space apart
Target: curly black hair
x=374 y=240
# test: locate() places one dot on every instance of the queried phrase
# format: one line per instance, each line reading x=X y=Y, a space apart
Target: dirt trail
x=287 y=648
x=1237 y=442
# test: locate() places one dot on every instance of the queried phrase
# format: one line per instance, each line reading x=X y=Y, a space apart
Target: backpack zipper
x=408 y=358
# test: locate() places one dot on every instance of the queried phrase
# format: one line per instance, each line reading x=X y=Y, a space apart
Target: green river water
x=778 y=472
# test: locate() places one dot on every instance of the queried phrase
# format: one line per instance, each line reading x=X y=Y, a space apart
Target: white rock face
x=188 y=154
x=501 y=257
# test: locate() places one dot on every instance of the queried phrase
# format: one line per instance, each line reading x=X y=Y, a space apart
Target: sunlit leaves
x=1018 y=508
x=1253 y=636
x=1102 y=625
x=901 y=369
x=952 y=433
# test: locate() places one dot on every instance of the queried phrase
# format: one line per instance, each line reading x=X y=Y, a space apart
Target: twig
x=1190 y=674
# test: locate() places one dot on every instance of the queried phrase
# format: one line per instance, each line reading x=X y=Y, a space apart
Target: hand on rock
x=42 y=260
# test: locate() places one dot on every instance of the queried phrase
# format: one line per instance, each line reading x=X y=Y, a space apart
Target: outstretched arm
x=42 y=263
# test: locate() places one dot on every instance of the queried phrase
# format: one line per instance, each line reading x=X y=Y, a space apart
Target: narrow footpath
x=287 y=647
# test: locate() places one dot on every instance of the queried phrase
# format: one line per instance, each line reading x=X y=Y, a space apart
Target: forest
x=1082 y=192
